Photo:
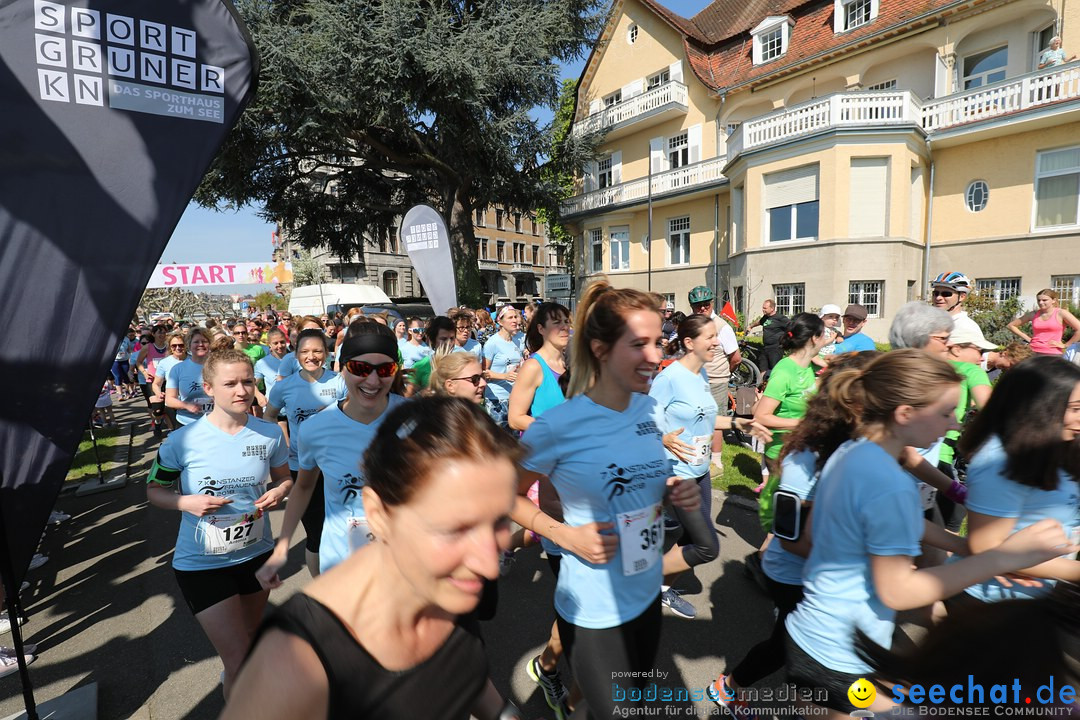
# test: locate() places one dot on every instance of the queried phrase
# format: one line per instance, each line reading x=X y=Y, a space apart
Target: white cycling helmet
x=954 y=281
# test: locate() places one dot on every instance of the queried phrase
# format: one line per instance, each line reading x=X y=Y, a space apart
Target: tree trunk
x=470 y=288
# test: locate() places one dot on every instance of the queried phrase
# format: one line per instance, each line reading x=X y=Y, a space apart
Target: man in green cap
x=727 y=355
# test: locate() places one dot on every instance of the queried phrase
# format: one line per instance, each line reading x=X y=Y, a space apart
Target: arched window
x=390 y=283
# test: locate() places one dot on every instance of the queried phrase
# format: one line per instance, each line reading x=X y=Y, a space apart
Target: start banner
x=205 y=274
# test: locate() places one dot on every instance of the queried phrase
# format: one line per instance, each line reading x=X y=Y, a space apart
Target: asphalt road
x=106 y=609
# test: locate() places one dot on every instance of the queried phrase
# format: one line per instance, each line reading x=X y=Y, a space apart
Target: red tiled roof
x=718 y=42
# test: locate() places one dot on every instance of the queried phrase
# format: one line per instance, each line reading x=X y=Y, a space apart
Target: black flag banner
x=110 y=113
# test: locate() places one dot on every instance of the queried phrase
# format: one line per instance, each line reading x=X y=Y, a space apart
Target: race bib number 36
x=641 y=538
x=359 y=532
x=223 y=534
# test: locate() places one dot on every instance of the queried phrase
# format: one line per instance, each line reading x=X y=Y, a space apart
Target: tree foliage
x=272 y=299
x=366 y=107
x=306 y=270
x=559 y=171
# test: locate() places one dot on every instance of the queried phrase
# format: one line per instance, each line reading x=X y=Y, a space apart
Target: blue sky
x=241 y=236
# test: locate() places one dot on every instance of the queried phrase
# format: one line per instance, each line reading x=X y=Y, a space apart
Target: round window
x=631 y=34
x=977 y=195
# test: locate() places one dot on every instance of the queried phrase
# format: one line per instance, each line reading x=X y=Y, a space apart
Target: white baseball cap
x=964 y=335
x=830 y=309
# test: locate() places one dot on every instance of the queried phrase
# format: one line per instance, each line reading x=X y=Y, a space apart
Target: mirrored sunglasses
x=362 y=369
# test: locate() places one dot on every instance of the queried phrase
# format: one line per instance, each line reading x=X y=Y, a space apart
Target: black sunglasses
x=362 y=369
x=474 y=379
x=943 y=293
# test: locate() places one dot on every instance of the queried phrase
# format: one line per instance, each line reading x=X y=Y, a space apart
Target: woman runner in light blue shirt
x=185 y=382
x=333 y=445
x=868 y=522
x=603 y=453
x=502 y=358
x=215 y=470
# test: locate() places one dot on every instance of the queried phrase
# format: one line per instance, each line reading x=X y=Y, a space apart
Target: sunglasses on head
x=474 y=379
x=362 y=369
x=943 y=293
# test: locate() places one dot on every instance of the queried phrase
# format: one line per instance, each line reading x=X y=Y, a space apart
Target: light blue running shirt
x=865 y=505
x=470 y=346
x=335 y=443
x=412 y=354
x=502 y=354
x=683 y=400
x=300 y=400
x=798 y=475
x=213 y=462
x=164 y=367
x=607 y=466
x=990 y=492
x=187 y=378
x=266 y=369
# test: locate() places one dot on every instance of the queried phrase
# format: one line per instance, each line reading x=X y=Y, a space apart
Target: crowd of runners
x=420 y=456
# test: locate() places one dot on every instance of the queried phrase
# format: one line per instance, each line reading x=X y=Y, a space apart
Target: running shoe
x=5 y=623
x=673 y=601
x=555 y=693
x=10 y=664
x=38 y=560
x=727 y=699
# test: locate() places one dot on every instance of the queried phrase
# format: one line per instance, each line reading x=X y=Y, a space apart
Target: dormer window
x=771 y=38
x=850 y=14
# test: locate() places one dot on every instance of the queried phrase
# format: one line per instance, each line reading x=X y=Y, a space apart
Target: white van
x=314 y=299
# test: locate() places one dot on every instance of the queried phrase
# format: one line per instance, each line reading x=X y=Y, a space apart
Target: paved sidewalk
x=106 y=609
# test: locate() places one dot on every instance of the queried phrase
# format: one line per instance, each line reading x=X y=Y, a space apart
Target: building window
x=679 y=241
x=613 y=99
x=481 y=217
x=631 y=34
x=678 y=151
x=596 y=250
x=1057 y=188
x=881 y=86
x=791 y=202
x=1000 y=289
x=535 y=254
x=790 y=298
x=985 y=67
x=977 y=195
x=857 y=12
x=535 y=227
x=660 y=78
x=500 y=248
x=868 y=294
x=519 y=253
x=620 y=248
x=389 y=283
x=499 y=218
x=771 y=38
x=1067 y=287
x=517 y=222
x=603 y=172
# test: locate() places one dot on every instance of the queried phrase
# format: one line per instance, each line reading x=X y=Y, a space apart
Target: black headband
x=364 y=343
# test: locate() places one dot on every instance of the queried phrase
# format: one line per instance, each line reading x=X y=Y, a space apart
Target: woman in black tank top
x=388 y=633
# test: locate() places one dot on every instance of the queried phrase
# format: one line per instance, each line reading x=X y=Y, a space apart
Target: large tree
x=366 y=107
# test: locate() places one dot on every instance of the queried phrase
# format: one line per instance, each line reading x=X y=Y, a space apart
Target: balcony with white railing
x=661 y=103
x=1043 y=90
x=684 y=179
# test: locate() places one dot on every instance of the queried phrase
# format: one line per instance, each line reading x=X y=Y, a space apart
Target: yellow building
x=806 y=151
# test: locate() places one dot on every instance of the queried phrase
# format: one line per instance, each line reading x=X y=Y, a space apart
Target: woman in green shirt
x=791 y=383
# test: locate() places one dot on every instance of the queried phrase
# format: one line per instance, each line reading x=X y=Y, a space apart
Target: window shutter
x=737 y=219
x=634 y=88
x=917 y=192
x=595 y=106
x=788 y=187
x=657 y=158
x=675 y=71
x=693 y=139
x=590 y=176
x=616 y=167
x=868 y=197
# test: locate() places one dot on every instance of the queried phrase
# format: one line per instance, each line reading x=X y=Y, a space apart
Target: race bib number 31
x=641 y=538
x=228 y=533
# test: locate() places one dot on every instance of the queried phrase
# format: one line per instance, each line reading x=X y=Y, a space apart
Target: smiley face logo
x=862 y=693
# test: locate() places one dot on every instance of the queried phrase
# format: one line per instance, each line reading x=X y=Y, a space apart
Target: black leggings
x=608 y=656
x=699 y=541
x=769 y=655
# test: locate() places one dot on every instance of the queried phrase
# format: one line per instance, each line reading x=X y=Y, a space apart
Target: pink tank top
x=153 y=355
x=1046 y=332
